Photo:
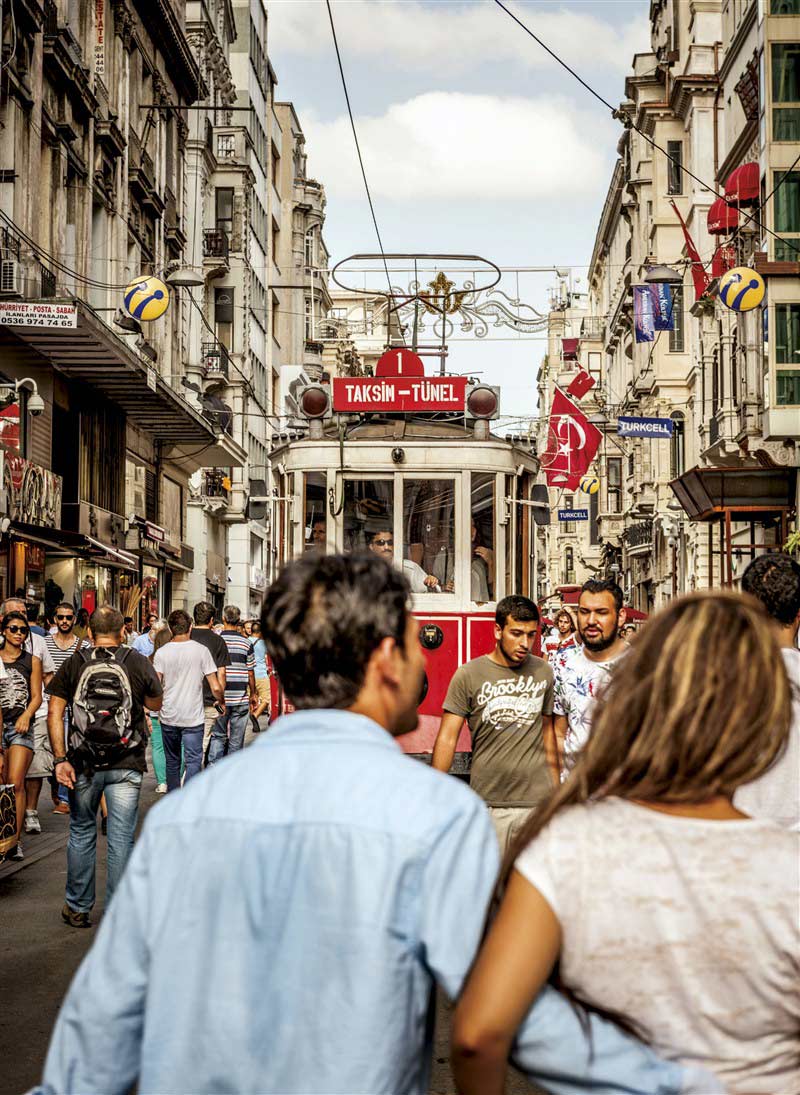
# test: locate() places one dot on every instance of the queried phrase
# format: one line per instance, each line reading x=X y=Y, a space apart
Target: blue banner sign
x=652 y=311
x=573 y=515
x=644 y=427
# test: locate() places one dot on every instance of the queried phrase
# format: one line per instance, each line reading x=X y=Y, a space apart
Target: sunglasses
x=383 y=543
x=16 y=630
x=65 y=617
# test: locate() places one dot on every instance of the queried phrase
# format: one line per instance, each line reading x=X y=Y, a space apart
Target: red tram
x=434 y=491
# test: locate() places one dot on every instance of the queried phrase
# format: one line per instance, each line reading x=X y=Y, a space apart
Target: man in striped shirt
x=229 y=730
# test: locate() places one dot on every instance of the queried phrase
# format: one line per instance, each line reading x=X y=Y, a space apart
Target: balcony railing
x=217 y=483
x=215 y=360
x=215 y=243
x=313 y=347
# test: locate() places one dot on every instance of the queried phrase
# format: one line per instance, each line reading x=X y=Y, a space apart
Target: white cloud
x=449 y=36
x=449 y=145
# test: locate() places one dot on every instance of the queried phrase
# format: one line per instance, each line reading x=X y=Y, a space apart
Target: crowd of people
x=612 y=903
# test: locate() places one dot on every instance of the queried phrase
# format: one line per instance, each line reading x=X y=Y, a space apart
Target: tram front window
x=429 y=514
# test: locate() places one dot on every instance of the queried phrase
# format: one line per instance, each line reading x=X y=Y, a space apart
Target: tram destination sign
x=573 y=515
x=399 y=394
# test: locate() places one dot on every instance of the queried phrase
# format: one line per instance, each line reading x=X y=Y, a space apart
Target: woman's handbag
x=8 y=818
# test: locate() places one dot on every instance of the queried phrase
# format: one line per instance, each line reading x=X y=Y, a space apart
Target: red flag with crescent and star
x=572 y=444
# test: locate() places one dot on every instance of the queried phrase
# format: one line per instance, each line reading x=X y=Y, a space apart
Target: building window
x=786 y=204
x=275 y=315
x=223 y=316
x=677 y=445
x=172 y=509
x=223 y=209
x=787 y=354
x=569 y=503
x=676 y=335
x=784 y=7
x=786 y=89
x=309 y=248
x=614 y=484
x=309 y=319
x=569 y=566
x=226 y=146
x=675 y=167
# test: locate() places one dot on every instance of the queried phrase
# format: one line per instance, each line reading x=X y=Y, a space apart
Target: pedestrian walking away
x=641 y=862
x=354 y=842
x=582 y=671
x=230 y=727
x=774 y=580
x=507 y=699
x=183 y=665
x=203 y=632
x=163 y=636
x=107 y=688
x=20 y=698
x=261 y=673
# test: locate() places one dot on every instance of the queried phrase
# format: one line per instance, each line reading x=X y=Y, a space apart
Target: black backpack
x=101 y=731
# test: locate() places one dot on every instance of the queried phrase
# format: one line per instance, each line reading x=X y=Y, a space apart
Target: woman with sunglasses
x=20 y=699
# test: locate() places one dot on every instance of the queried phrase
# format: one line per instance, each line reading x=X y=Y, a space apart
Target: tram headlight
x=483 y=401
x=314 y=401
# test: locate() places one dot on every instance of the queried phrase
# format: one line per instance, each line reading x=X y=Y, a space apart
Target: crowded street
x=400 y=547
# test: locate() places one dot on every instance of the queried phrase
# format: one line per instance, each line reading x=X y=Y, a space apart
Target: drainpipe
x=715 y=111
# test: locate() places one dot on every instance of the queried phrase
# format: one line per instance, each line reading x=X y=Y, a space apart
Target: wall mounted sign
x=644 y=427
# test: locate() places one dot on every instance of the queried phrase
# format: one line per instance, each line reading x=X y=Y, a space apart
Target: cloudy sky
x=474 y=140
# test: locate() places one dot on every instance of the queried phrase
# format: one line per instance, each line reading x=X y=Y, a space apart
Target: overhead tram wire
x=358 y=152
x=628 y=123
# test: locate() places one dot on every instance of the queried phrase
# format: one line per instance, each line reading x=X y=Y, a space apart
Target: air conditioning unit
x=12 y=278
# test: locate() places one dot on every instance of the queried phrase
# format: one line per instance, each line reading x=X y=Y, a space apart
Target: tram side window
x=482 y=569
x=429 y=535
x=315 y=536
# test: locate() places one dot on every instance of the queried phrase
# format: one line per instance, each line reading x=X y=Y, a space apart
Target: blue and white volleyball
x=146 y=299
x=741 y=289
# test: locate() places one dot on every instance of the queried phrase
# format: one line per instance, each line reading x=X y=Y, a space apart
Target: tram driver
x=382 y=543
x=317 y=537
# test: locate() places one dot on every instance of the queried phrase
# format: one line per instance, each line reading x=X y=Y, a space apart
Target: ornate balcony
x=216 y=244
x=216 y=362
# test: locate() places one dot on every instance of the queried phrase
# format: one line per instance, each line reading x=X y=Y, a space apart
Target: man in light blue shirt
x=284 y=918
x=144 y=643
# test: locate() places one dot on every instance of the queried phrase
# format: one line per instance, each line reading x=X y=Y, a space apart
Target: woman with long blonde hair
x=639 y=887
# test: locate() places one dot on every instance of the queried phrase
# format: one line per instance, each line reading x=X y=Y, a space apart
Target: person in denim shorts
x=20 y=698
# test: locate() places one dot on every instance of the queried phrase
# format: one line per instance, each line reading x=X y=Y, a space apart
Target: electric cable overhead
x=358 y=149
x=629 y=124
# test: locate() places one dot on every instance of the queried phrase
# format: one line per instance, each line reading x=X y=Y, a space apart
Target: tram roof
x=455 y=431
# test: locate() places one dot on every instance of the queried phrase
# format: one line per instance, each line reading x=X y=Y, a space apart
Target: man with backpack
x=107 y=688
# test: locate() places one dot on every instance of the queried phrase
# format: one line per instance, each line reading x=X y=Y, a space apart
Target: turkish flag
x=572 y=444
x=580 y=384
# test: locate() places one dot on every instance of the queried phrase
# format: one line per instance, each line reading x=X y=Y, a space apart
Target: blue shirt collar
x=330 y=724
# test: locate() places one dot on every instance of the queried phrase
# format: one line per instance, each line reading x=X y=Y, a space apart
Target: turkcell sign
x=644 y=427
x=390 y=394
x=573 y=515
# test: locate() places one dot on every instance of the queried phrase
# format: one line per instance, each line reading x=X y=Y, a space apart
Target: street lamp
x=184 y=277
x=663 y=275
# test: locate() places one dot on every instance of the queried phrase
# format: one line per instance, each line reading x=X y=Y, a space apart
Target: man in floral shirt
x=582 y=670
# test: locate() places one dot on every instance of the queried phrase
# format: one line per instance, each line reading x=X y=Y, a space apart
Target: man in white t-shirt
x=580 y=671
x=183 y=665
x=774 y=579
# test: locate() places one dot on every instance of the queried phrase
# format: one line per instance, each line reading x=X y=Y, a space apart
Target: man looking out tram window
x=507 y=699
x=382 y=543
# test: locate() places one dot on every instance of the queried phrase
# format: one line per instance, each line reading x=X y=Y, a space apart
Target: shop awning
x=94 y=353
x=705 y=493
x=722 y=218
x=63 y=542
x=743 y=185
x=569 y=349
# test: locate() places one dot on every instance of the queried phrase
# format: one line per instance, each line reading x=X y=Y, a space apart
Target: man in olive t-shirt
x=507 y=699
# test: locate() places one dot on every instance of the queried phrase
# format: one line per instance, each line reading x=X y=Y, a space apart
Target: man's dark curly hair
x=323 y=617
x=775 y=580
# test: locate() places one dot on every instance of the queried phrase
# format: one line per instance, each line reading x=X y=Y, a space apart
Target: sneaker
x=16 y=854
x=32 y=823
x=61 y=808
x=75 y=919
x=161 y=789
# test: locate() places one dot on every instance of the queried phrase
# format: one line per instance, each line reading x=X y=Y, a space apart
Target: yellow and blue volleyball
x=741 y=289
x=146 y=299
x=590 y=484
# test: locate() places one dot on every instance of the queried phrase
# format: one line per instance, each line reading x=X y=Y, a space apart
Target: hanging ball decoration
x=146 y=299
x=590 y=484
x=741 y=289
